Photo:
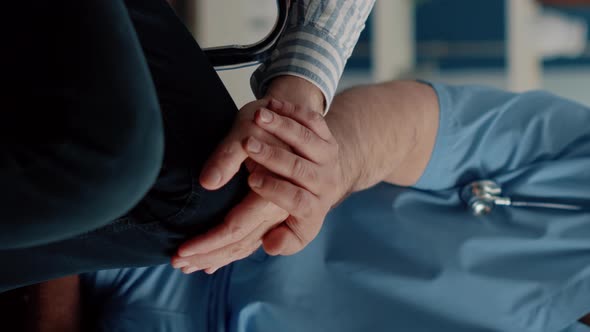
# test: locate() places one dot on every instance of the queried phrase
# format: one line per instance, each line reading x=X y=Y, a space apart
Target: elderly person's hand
x=248 y=224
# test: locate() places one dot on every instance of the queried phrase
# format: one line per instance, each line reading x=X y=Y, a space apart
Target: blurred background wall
x=511 y=44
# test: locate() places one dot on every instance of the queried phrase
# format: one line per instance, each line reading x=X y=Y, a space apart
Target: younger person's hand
x=228 y=156
x=306 y=180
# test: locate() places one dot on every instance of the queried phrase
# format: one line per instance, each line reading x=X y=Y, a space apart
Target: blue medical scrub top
x=411 y=259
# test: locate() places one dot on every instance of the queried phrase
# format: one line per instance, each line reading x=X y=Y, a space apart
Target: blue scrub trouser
x=116 y=110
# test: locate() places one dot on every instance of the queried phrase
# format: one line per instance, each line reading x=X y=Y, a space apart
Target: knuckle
x=286 y=125
x=226 y=150
x=242 y=251
x=237 y=231
x=237 y=251
x=312 y=175
x=298 y=169
x=270 y=153
x=314 y=117
x=288 y=108
x=305 y=135
x=232 y=231
x=224 y=155
x=304 y=172
x=273 y=186
x=296 y=229
x=301 y=203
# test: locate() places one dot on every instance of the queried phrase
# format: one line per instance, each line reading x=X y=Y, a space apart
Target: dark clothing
x=120 y=91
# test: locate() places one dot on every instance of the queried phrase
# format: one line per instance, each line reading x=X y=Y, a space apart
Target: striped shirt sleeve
x=316 y=44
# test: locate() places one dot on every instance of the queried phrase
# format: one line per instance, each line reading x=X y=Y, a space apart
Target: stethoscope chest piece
x=482 y=196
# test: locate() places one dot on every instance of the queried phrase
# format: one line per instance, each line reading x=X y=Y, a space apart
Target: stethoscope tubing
x=547 y=205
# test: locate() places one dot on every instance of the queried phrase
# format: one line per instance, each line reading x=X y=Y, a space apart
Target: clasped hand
x=295 y=179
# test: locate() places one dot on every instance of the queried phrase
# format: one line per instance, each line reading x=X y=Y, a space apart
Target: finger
x=216 y=259
x=239 y=222
x=284 y=163
x=298 y=202
x=223 y=164
x=308 y=118
x=282 y=241
x=227 y=158
x=239 y=255
x=302 y=139
x=222 y=256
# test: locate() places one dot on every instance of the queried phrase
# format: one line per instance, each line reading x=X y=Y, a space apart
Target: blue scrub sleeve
x=485 y=132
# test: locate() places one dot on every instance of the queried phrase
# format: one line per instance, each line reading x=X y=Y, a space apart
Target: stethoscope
x=482 y=196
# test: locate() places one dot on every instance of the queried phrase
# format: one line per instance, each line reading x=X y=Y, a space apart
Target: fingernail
x=256 y=180
x=274 y=103
x=180 y=265
x=254 y=145
x=211 y=271
x=265 y=115
x=212 y=177
x=190 y=270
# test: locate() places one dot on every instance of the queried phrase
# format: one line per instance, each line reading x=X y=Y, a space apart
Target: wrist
x=298 y=91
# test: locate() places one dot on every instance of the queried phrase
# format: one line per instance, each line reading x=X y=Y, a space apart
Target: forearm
x=386 y=132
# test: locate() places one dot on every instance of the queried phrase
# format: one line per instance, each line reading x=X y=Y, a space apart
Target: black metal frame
x=233 y=55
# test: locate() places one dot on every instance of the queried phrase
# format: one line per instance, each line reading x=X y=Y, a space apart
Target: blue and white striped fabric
x=318 y=41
